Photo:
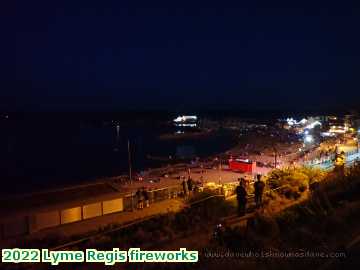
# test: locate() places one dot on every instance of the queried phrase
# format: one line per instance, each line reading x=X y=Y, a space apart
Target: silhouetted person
x=145 y=195
x=241 y=196
x=190 y=184
x=259 y=190
x=244 y=182
x=185 y=187
x=139 y=196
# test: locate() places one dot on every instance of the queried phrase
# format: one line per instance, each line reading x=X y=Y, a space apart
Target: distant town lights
x=313 y=124
x=337 y=129
x=327 y=134
x=292 y=122
x=303 y=121
x=309 y=138
x=185 y=118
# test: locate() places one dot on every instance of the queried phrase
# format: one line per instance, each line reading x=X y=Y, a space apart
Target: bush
x=281 y=177
x=297 y=178
x=271 y=195
x=313 y=174
x=287 y=192
x=276 y=178
x=290 y=193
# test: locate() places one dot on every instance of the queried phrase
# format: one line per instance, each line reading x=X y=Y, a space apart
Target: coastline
x=155 y=167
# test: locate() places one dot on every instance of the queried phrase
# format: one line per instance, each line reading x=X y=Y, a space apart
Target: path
x=78 y=228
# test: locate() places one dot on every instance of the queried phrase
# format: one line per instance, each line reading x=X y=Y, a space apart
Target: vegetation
x=298 y=176
x=326 y=222
x=291 y=182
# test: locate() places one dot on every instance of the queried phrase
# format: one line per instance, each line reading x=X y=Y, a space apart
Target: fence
x=351 y=158
x=156 y=195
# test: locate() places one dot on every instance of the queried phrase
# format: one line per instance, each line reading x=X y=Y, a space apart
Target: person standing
x=139 y=196
x=190 y=185
x=241 y=196
x=185 y=187
x=259 y=190
x=146 y=197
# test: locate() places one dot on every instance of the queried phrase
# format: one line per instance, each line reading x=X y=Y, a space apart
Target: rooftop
x=55 y=198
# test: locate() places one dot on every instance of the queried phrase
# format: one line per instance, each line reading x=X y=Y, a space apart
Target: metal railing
x=130 y=200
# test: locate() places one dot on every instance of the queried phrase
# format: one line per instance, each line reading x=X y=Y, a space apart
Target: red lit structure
x=242 y=165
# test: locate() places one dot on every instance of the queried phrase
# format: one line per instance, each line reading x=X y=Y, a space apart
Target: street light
x=275 y=156
x=130 y=175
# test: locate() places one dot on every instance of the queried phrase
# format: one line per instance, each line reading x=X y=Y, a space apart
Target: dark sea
x=44 y=151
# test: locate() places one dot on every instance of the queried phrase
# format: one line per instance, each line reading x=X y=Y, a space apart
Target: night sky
x=113 y=55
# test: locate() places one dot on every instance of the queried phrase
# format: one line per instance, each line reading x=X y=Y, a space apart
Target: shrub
x=297 y=178
x=313 y=174
x=276 y=178
x=292 y=177
x=287 y=192
x=271 y=195
x=290 y=193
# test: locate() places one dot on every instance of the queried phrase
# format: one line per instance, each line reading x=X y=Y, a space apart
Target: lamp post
x=129 y=159
x=130 y=175
x=275 y=157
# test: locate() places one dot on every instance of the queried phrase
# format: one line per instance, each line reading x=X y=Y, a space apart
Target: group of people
x=142 y=196
x=188 y=186
x=241 y=194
